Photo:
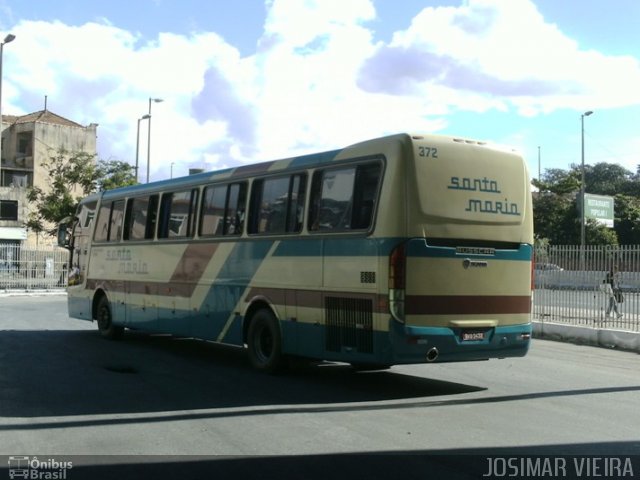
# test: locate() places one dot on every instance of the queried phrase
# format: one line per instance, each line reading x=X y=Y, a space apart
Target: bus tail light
x=397 y=279
x=533 y=273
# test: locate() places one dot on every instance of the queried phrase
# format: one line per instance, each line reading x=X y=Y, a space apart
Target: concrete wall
x=49 y=138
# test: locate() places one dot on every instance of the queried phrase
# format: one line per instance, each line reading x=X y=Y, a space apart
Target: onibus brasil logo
x=33 y=468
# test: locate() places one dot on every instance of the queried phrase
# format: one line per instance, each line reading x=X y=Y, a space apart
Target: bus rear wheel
x=264 y=342
x=105 y=321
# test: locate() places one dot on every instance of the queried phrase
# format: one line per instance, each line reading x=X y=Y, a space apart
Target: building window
x=8 y=210
x=25 y=144
x=16 y=179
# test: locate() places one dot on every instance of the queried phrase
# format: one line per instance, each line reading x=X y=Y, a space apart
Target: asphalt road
x=66 y=391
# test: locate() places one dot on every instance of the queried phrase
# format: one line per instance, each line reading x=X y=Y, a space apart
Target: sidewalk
x=600 y=337
x=21 y=292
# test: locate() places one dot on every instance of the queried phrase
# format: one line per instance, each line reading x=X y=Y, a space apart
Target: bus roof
x=292 y=163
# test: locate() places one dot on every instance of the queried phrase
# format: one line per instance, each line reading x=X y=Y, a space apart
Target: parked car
x=548 y=267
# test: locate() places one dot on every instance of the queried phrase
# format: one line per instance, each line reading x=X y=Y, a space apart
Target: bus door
x=79 y=261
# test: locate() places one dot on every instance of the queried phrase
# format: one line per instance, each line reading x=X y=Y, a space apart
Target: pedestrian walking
x=612 y=289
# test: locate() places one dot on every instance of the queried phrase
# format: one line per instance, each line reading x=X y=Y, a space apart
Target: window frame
x=152 y=203
x=315 y=195
x=255 y=200
x=9 y=206
x=240 y=205
x=109 y=205
x=163 y=228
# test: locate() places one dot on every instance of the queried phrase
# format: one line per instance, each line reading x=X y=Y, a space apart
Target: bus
x=397 y=250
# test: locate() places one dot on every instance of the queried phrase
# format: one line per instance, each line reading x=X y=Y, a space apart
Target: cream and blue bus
x=402 y=249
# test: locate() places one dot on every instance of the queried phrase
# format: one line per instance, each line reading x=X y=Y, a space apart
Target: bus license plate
x=472 y=336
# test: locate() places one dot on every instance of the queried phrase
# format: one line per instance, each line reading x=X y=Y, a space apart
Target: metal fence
x=32 y=268
x=570 y=286
x=568 y=280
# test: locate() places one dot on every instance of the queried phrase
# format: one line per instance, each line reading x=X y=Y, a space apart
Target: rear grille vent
x=367 y=277
x=349 y=324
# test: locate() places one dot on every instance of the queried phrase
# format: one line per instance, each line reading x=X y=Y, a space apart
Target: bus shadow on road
x=75 y=372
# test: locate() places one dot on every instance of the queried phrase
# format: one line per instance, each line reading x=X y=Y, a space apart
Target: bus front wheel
x=264 y=342
x=105 y=321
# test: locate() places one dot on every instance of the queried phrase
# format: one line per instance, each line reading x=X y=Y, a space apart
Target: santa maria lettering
x=126 y=262
x=502 y=206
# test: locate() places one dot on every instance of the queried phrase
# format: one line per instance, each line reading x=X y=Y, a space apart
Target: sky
x=245 y=81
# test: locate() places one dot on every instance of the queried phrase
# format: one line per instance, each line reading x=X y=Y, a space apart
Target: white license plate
x=472 y=336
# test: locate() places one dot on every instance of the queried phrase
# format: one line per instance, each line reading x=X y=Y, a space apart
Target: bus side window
x=235 y=209
x=88 y=212
x=365 y=195
x=102 y=225
x=152 y=218
x=295 y=212
x=117 y=216
x=177 y=210
x=212 y=216
x=223 y=209
x=344 y=198
x=268 y=206
x=277 y=204
x=140 y=218
x=332 y=199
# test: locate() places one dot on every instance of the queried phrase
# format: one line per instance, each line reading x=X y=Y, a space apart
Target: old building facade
x=28 y=141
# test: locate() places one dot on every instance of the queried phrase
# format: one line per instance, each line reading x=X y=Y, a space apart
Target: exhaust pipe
x=432 y=355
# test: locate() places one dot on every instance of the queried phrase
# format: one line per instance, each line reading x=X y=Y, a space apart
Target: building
x=27 y=141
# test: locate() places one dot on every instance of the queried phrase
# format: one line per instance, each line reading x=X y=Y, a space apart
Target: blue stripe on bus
x=314 y=159
x=336 y=247
x=421 y=249
x=365 y=247
x=403 y=344
x=224 y=294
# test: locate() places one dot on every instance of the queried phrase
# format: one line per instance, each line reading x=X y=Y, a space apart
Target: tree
x=558 y=181
x=627 y=219
x=554 y=217
x=71 y=176
x=555 y=212
x=606 y=178
x=112 y=174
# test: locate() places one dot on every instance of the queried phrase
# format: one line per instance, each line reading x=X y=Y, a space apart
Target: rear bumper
x=414 y=344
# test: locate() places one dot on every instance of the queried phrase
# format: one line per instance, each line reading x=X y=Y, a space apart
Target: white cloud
x=502 y=50
x=319 y=82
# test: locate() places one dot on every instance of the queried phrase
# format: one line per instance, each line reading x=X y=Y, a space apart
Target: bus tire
x=264 y=342
x=105 y=321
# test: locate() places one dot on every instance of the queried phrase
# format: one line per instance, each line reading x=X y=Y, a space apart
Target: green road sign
x=600 y=208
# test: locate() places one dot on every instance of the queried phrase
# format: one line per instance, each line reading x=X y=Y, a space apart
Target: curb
x=599 y=337
x=32 y=293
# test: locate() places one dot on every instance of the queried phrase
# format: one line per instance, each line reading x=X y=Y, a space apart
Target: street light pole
x=155 y=100
x=8 y=39
x=582 y=190
x=144 y=117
